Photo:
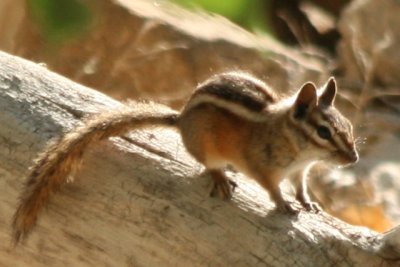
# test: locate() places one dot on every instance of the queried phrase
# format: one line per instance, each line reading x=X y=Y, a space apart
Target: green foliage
x=60 y=19
x=250 y=14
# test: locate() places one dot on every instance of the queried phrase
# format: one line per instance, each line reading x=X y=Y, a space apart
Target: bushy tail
x=63 y=156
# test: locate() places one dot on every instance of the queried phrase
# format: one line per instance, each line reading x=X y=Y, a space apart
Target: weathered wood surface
x=142 y=201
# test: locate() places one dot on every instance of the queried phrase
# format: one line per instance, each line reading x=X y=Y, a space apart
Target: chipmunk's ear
x=328 y=96
x=305 y=101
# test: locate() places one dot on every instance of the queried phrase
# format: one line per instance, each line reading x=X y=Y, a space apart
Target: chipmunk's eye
x=324 y=132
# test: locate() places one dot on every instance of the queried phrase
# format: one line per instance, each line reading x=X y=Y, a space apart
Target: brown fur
x=269 y=142
x=62 y=158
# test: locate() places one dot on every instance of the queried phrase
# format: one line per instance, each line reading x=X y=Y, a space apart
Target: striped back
x=235 y=92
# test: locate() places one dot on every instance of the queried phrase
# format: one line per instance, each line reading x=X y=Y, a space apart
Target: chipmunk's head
x=328 y=132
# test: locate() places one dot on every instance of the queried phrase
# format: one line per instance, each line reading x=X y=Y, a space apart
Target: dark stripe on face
x=305 y=133
x=342 y=133
x=315 y=124
x=240 y=90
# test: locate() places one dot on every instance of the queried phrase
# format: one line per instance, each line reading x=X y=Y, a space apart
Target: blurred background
x=96 y=42
x=160 y=50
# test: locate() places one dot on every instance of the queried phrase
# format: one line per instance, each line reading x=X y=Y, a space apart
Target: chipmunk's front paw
x=306 y=202
x=223 y=188
x=311 y=206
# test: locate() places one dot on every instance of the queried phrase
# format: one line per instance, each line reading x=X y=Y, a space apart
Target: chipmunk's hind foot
x=223 y=186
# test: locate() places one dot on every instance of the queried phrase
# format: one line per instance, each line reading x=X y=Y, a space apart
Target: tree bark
x=141 y=200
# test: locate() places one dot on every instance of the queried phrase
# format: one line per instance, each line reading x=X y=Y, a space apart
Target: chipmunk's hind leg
x=223 y=186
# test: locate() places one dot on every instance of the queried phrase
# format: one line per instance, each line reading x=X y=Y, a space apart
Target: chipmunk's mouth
x=346 y=158
x=354 y=157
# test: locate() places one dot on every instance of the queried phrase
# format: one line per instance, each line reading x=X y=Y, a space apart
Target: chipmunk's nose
x=353 y=157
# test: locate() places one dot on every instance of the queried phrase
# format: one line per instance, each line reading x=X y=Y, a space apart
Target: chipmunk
x=232 y=118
